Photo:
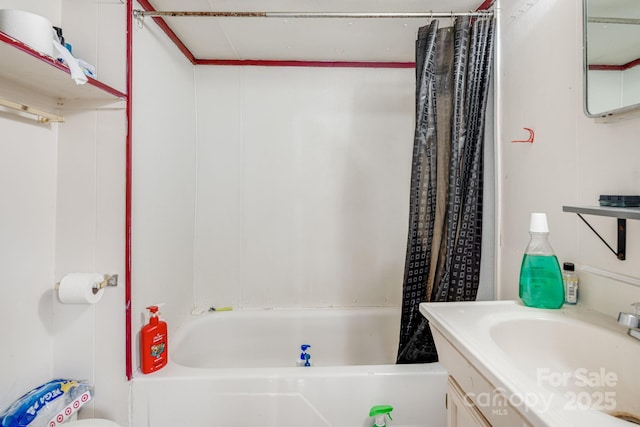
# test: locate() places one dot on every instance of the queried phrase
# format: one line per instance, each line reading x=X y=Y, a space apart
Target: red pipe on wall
x=128 y=169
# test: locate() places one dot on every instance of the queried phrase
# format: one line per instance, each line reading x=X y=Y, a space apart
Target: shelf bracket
x=622 y=237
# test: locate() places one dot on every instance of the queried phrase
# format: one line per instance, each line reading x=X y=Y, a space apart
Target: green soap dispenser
x=541 y=283
x=380 y=412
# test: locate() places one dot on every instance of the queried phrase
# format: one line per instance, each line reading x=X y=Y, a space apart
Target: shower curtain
x=453 y=66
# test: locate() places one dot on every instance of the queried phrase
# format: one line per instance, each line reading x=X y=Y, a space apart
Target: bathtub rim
x=176 y=371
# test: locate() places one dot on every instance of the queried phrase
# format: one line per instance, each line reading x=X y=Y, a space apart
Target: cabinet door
x=461 y=411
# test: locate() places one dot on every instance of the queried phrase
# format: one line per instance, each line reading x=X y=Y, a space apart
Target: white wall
x=163 y=179
x=605 y=90
x=572 y=161
x=89 y=340
x=610 y=90
x=62 y=188
x=90 y=223
x=27 y=243
x=303 y=185
x=631 y=93
x=97 y=32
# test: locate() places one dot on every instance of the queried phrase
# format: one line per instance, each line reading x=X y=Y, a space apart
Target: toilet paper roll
x=78 y=288
x=31 y=29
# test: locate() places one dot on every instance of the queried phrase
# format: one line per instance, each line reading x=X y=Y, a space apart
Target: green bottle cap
x=381 y=410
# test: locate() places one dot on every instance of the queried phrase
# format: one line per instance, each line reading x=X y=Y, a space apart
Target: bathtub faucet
x=631 y=320
x=305 y=358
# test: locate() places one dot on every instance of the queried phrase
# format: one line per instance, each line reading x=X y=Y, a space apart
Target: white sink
x=571 y=366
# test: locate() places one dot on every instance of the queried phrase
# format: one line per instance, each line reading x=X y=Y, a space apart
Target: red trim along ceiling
x=146 y=5
x=623 y=67
x=486 y=4
x=128 y=192
x=280 y=63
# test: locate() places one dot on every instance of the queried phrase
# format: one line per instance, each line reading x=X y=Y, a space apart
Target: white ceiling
x=304 y=39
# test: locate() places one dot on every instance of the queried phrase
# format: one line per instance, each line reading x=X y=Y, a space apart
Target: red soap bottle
x=154 y=350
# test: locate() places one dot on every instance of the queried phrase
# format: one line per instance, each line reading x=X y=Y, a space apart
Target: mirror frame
x=585 y=77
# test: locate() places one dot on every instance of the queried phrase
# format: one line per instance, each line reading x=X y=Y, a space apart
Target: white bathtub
x=237 y=368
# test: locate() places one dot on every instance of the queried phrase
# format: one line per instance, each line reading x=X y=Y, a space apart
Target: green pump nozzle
x=380 y=412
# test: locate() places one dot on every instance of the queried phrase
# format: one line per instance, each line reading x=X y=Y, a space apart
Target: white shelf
x=26 y=68
x=627 y=213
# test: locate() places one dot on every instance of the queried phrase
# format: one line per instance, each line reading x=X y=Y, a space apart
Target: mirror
x=611 y=56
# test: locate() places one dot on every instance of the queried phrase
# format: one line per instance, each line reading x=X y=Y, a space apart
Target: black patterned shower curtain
x=453 y=67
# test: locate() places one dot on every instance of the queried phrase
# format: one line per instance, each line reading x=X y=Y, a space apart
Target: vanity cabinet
x=472 y=401
x=461 y=411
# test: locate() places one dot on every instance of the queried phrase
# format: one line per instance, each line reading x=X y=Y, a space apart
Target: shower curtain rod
x=623 y=21
x=142 y=13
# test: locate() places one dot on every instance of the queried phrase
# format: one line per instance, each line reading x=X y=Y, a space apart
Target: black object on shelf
x=619 y=201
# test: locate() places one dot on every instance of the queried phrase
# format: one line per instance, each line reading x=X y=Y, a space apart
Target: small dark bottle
x=570 y=280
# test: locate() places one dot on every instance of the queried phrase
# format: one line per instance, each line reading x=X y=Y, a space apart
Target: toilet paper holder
x=109 y=280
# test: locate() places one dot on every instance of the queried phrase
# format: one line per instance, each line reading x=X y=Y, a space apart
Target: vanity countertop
x=567 y=367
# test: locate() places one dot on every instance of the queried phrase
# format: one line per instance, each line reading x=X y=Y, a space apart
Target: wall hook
x=531 y=136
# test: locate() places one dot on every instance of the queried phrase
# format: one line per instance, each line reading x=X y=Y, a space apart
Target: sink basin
x=592 y=366
x=574 y=366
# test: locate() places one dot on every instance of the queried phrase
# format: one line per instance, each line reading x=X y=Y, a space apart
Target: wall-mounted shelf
x=628 y=213
x=24 y=67
x=622 y=214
